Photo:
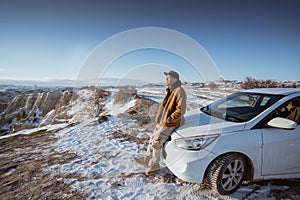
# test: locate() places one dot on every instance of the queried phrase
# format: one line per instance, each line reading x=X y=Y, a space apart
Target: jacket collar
x=174 y=86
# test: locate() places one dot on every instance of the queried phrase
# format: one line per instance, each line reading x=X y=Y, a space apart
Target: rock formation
x=49 y=107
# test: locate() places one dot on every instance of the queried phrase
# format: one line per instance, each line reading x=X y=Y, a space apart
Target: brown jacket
x=295 y=115
x=172 y=108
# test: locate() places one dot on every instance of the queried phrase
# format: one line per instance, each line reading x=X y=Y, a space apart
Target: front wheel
x=226 y=173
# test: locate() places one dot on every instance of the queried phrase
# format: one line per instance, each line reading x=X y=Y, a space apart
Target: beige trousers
x=157 y=140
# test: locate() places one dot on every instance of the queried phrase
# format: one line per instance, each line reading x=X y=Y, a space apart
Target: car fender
x=248 y=143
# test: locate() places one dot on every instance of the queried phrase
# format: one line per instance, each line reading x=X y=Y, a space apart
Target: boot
x=142 y=161
x=153 y=168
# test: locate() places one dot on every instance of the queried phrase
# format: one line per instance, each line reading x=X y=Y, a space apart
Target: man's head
x=171 y=77
x=290 y=106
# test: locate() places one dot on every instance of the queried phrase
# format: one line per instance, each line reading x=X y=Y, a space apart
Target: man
x=294 y=110
x=169 y=117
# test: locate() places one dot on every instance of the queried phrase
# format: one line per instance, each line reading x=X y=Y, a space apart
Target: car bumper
x=187 y=165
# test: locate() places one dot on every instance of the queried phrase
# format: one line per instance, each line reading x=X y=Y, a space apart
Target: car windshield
x=241 y=106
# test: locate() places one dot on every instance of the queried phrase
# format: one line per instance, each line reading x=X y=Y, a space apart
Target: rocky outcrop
x=28 y=110
x=124 y=94
x=144 y=110
x=50 y=107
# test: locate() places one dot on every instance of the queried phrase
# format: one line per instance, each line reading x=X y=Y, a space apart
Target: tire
x=226 y=173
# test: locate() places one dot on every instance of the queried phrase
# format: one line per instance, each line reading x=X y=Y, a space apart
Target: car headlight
x=195 y=143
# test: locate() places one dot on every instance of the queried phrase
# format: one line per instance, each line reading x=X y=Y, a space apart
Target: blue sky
x=42 y=40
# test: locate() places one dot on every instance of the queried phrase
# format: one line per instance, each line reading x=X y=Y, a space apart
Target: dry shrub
x=212 y=86
x=250 y=83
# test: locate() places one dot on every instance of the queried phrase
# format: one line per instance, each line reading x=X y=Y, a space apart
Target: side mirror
x=283 y=123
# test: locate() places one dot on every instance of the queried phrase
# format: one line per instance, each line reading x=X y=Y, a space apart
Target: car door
x=280 y=151
x=281 y=147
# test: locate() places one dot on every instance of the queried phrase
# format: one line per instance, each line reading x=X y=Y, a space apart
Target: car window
x=239 y=101
x=265 y=100
x=290 y=110
x=241 y=106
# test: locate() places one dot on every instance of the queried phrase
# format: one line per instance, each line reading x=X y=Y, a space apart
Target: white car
x=245 y=136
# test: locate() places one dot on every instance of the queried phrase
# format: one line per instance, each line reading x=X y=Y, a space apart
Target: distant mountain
x=52 y=82
x=70 y=83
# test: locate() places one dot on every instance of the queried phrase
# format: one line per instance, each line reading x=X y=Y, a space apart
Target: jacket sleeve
x=175 y=118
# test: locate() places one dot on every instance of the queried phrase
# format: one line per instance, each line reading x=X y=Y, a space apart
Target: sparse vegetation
x=22 y=169
x=250 y=83
x=212 y=86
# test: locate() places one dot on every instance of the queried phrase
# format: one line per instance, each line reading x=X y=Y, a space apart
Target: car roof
x=277 y=91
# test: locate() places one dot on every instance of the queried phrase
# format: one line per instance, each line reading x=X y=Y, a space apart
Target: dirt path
x=22 y=160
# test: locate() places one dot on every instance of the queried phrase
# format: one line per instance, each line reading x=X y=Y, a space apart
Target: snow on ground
x=82 y=103
x=107 y=166
x=110 y=172
x=34 y=130
x=119 y=108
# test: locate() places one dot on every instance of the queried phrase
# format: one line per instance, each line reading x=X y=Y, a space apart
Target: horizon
x=108 y=81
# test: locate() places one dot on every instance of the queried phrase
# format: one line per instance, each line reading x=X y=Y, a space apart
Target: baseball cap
x=173 y=74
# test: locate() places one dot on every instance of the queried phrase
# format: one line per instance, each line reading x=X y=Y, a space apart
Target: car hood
x=199 y=123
